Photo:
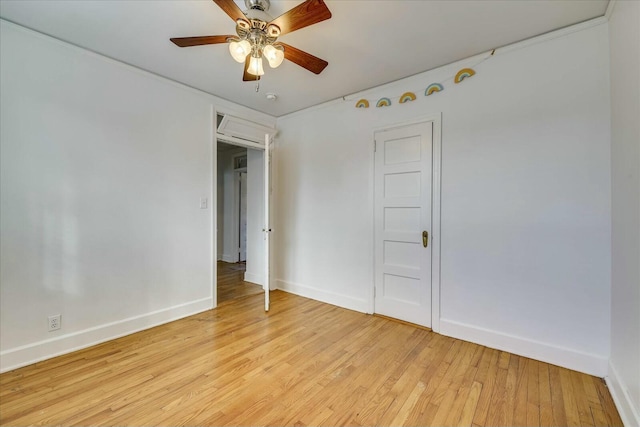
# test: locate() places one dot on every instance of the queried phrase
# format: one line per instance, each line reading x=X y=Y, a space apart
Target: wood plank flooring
x=303 y=363
x=231 y=282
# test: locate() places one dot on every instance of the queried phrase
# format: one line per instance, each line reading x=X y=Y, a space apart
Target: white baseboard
x=324 y=296
x=258 y=279
x=629 y=413
x=228 y=258
x=26 y=355
x=591 y=364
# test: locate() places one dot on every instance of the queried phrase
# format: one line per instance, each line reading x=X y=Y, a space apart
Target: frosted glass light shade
x=240 y=50
x=255 y=67
x=274 y=55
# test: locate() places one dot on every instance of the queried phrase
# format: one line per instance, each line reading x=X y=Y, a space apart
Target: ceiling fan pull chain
x=257 y=85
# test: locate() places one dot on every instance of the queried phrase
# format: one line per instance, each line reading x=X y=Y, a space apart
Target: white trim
x=213 y=205
x=607 y=15
x=436 y=201
x=266 y=282
x=28 y=354
x=436 y=206
x=239 y=141
x=592 y=364
x=630 y=415
x=332 y=298
x=552 y=35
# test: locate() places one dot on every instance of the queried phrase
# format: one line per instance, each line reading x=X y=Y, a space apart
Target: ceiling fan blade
x=304 y=59
x=308 y=13
x=231 y=9
x=247 y=77
x=198 y=41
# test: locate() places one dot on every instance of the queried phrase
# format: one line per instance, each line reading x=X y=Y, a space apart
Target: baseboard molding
x=323 y=296
x=258 y=279
x=591 y=364
x=28 y=354
x=630 y=415
x=228 y=258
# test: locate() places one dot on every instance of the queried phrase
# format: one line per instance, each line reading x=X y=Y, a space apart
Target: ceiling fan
x=257 y=35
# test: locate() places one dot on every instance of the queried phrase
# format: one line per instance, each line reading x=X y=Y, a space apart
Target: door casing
x=214 y=191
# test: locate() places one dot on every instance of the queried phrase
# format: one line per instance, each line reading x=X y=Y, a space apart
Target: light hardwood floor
x=231 y=282
x=303 y=363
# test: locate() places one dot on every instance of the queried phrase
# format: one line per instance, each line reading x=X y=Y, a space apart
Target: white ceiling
x=367 y=43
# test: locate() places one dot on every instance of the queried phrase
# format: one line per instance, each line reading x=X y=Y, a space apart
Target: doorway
x=240 y=237
x=258 y=141
x=407 y=222
x=242 y=216
x=235 y=239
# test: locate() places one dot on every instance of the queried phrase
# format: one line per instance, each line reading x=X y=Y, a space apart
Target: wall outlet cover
x=55 y=322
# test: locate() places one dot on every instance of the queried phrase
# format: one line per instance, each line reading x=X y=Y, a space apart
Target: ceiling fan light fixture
x=257 y=33
x=255 y=66
x=239 y=50
x=274 y=55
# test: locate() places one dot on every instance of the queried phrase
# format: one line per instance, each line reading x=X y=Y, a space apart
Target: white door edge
x=267 y=220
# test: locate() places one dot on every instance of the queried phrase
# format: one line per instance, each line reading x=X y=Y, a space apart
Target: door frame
x=237 y=208
x=436 y=170
x=216 y=137
x=236 y=202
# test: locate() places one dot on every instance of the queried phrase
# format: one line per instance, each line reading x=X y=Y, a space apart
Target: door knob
x=425 y=238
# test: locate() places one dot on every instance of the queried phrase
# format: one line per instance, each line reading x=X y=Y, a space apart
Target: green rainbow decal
x=383 y=102
x=407 y=96
x=363 y=103
x=463 y=74
x=433 y=88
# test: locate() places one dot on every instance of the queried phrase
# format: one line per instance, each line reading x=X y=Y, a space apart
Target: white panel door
x=403 y=174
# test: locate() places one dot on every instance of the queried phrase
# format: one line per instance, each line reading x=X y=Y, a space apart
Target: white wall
x=255 y=217
x=525 y=199
x=102 y=169
x=624 y=372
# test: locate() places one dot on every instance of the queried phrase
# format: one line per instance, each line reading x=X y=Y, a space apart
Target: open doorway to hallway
x=237 y=205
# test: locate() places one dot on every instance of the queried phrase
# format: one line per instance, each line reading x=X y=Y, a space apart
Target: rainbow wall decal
x=433 y=88
x=407 y=96
x=363 y=103
x=463 y=74
x=383 y=102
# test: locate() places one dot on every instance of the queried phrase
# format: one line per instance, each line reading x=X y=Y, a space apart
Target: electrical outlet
x=55 y=322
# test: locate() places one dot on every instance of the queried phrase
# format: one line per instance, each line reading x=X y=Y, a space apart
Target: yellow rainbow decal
x=407 y=96
x=433 y=88
x=363 y=103
x=463 y=74
x=383 y=102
